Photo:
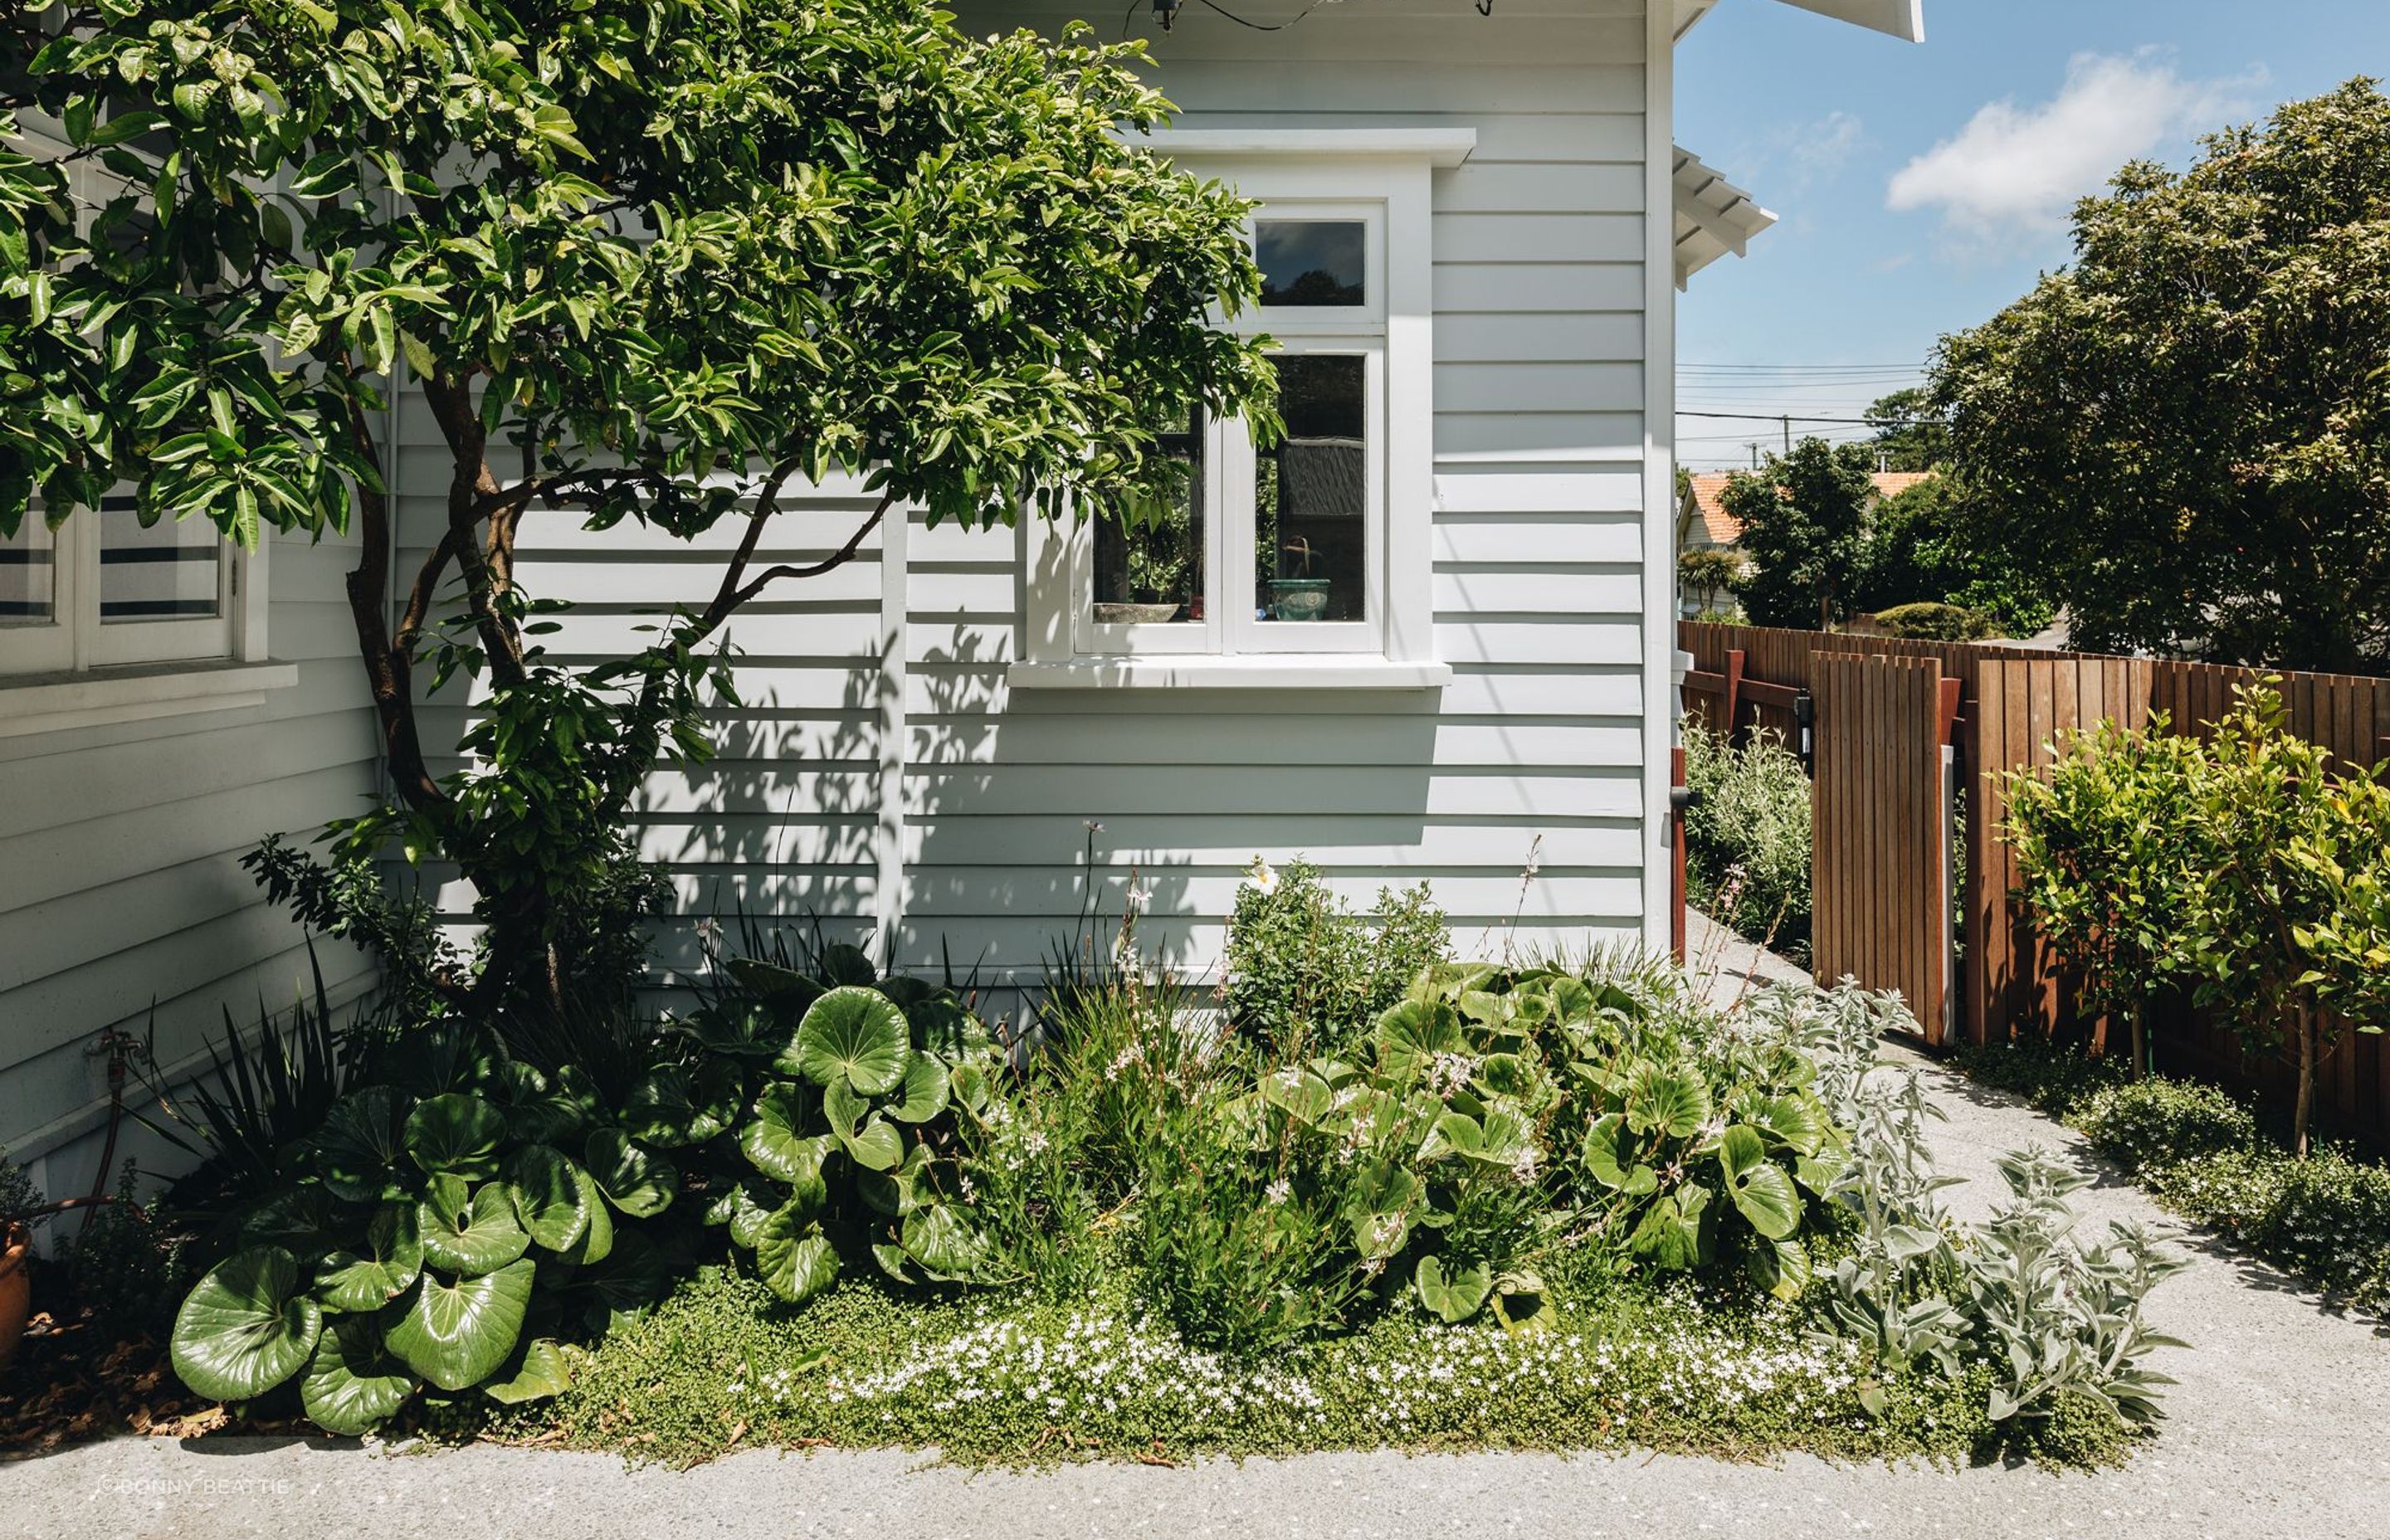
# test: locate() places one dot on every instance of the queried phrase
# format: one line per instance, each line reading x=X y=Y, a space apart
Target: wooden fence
x=2003 y=706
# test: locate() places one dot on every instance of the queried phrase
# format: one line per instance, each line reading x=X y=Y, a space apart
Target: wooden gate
x=1881 y=863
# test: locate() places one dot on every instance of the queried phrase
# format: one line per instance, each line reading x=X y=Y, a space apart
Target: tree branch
x=452 y=403
x=389 y=674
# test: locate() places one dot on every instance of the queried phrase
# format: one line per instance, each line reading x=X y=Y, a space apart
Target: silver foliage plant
x=2051 y=1314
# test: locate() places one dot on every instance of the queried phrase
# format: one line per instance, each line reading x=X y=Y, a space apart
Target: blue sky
x=1921 y=188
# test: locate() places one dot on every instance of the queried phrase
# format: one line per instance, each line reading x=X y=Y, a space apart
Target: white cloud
x=2015 y=171
x=1822 y=148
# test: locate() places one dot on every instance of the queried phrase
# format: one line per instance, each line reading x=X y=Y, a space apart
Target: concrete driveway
x=2280 y=1429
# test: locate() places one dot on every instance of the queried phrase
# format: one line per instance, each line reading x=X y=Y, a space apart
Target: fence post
x=1734 y=662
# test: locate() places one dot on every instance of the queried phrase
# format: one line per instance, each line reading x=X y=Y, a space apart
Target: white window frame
x=1382 y=177
x=76 y=640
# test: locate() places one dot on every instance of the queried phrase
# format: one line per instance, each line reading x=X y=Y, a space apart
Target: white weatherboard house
x=1429 y=635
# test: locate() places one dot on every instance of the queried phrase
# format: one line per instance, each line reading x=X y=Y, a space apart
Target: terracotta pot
x=16 y=1286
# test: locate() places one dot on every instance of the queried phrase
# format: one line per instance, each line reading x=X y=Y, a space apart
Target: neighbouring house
x=1703 y=523
x=1429 y=634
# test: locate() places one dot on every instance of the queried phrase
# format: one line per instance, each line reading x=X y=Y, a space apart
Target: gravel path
x=2280 y=1429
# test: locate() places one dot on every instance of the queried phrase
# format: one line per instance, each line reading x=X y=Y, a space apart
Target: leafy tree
x=1922 y=547
x=1909 y=432
x=659 y=262
x=2105 y=844
x=1708 y=574
x=1804 y=517
x=2288 y=933
x=2185 y=437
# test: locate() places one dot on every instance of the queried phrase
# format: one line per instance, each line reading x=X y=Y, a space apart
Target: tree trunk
x=2305 y=1106
x=2140 y=1040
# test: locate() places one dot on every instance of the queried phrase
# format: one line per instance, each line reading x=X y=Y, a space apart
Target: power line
x=1796 y=416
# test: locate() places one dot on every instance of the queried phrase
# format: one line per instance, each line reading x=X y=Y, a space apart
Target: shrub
x=2159 y=1122
x=2104 y=844
x=1303 y=973
x=1931 y=621
x=1747 y=836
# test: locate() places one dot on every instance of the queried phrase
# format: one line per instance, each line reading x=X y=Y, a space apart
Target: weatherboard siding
x=881 y=771
x=120 y=886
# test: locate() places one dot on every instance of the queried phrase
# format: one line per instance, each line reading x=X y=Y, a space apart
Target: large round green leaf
x=378 y=1269
x=1762 y=1192
x=358 y=1148
x=537 y=1372
x=1454 y=1296
x=457 y=1334
x=1613 y=1157
x=551 y=1195
x=939 y=1238
x=597 y=1239
x=640 y=1182
x=750 y=1206
x=794 y=1257
x=354 y=1383
x=1415 y=1030
x=921 y=1095
x=774 y=1146
x=876 y=1146
x=1674 y=1102
x=675 y=1106
x=456 y=1135
x=856 y=1036
x=739 y=1031
x=247 y=1327
x=1379 y=1205
x=481 y=1238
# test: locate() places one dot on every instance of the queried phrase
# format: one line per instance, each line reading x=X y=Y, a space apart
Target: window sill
x=1323 y=671
x=99 y=697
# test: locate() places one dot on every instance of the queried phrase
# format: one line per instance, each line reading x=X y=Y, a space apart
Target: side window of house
x=105 y=589
x=1278 y=548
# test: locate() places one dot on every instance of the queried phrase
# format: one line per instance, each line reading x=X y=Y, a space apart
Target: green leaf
x=941 y=1239
x=539 y=1371
x=876 y=1146
x=354 y=1383
x=793 y=1257
x=454 y=1335
x=551 y=1195
x=379 y=1268
x=357 y=1150
x=674 y=1107
x=856 y=1036
x=1455 y=1298
x=640 y=1182
x=1674 y=1102
x=1380 y=1206
x=597 y=1239
x=774 y=1146
x=1673 y=1234
x=1763 y=1193
x=1411 y=1032
x=482 y=1238
x=1612 y=1160
x=247 y=1327
x=922 y=1094
x=456 y=1135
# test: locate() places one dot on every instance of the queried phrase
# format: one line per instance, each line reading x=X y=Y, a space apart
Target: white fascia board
x=1901 y=19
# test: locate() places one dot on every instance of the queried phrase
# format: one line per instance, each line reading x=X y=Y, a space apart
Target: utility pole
x=1788 y=438
x=1755 y=454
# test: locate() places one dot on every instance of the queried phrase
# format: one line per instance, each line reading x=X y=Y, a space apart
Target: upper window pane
x=167 y=571
x=29 y=573
x=1312 y=262
x=1311 y=494
x=1153 y=574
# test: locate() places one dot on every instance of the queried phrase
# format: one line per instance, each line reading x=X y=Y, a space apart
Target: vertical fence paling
x=2005 y=719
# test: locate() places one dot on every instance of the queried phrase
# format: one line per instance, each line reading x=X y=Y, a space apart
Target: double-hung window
x=107 y=618
x=1305 y=560
x=104 y=590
